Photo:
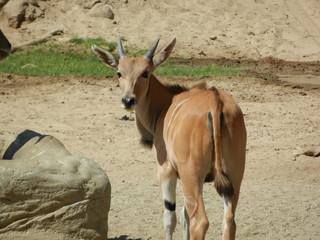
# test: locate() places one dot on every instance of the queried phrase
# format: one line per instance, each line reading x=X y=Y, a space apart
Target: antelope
x=198 y=133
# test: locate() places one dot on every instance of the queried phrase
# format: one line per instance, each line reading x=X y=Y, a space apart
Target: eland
x=199 y=135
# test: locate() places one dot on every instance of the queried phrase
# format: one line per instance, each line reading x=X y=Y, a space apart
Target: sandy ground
x=280 y=192
x=236 y=29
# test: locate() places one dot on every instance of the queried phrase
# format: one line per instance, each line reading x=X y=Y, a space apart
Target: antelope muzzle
x=128 y=103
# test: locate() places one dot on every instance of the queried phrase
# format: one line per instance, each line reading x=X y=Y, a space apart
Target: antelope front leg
x=185 y=223
x=168 y=183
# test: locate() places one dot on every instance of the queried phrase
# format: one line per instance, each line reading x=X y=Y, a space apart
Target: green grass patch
x=75 y=58
x=172 y=68
x=50 y=62
x=87 y=43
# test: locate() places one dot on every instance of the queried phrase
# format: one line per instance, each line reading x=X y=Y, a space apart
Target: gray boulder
x=43 y=188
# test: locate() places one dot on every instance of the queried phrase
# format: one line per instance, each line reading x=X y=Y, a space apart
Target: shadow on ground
x=124 y=237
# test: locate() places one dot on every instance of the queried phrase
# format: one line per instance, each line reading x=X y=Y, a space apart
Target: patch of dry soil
x=234 y=29
x=280 y=192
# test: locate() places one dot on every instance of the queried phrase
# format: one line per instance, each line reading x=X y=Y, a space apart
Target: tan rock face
x=19 y=11
x=53 y=191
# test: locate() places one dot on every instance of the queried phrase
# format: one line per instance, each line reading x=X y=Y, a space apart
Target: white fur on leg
x=169 y=223
x=225 y=208
x=169 y=190
x=185 y=224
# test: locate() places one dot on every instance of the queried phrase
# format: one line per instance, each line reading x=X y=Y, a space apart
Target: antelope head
x=134 y=72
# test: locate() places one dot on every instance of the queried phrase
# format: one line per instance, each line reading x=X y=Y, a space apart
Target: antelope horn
x=120 y=49
x=150 y=52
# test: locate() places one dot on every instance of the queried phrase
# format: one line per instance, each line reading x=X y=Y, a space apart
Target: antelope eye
x=119 y=74
x=145 y=74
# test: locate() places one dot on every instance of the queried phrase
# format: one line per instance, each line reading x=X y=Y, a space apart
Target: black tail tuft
x=223 y=185
x=146 y=142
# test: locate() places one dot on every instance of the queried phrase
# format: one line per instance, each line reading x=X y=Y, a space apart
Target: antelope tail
x=222 y=183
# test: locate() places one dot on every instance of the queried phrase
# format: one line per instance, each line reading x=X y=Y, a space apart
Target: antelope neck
x=153 y=105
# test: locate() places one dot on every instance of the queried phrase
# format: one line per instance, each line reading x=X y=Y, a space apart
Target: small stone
x=202 y=53
x=127 y=118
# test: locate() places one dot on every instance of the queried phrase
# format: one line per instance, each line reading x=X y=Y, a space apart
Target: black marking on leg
x=170 y=206
x=21 y=140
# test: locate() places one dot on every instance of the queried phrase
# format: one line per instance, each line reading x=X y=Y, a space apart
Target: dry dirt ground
x=280 y=192
x=280 y=197
x=236 y=29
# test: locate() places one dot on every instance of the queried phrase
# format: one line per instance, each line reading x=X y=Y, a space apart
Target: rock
x=43 y=188
x=90 y=5
x=2 y=3
x=127 y=118
x=202 y=53
x=19 y=11
x=101 y=10
x=310 y=151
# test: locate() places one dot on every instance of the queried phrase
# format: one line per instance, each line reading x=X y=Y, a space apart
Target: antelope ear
x=105 y=57
x=164 y=53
